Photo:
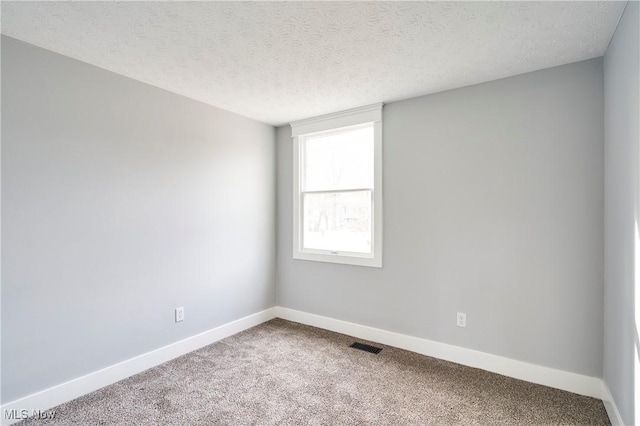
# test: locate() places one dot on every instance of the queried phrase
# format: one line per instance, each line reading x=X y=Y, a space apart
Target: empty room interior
x=323 y=213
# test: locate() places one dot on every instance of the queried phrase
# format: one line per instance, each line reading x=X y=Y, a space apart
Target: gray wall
x=493 y=207
x=621 y=70
x=120 y=202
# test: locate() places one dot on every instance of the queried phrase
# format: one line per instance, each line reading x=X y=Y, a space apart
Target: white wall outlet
x=461 y=319
x=179 y=314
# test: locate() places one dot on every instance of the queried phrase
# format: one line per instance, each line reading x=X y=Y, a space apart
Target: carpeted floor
x=284 y=373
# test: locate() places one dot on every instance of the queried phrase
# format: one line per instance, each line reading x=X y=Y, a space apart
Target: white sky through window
x=339 y=161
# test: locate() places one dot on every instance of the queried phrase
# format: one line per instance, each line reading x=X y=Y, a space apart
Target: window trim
x=327 y=124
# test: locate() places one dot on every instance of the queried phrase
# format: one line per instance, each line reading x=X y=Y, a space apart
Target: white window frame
x=328 y=124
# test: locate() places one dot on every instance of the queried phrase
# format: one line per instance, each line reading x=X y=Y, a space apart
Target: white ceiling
x=282 y=61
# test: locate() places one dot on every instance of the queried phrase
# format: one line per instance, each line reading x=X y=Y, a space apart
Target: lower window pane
x=338 y=221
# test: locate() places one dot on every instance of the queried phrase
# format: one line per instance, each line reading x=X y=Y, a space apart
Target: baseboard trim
x=572 y=382
x=56 y=395
x=610 y=405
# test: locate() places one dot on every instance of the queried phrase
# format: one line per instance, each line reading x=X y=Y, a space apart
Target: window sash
x=303 y=139
x=331 y=124
x=336 y=191
x=336 y=250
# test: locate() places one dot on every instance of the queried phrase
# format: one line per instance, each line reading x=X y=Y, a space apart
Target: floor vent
x=366 y=348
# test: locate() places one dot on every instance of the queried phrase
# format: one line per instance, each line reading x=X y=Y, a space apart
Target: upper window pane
x=341 y=160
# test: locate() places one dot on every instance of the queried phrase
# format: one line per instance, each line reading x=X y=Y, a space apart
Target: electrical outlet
x=461 y=319
x=179 y=314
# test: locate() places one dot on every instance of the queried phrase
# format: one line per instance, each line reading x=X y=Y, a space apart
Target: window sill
x=340 y=259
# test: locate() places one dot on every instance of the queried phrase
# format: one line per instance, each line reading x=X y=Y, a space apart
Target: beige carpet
x=286 y=373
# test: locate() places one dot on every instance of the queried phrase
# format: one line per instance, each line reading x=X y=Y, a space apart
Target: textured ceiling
x=282 y=61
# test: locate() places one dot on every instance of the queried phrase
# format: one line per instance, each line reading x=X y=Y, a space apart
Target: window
x=337 y=206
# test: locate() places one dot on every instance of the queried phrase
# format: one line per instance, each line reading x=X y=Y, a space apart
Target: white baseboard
x=56 y=395
x=610 y=405
x=572 y=382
